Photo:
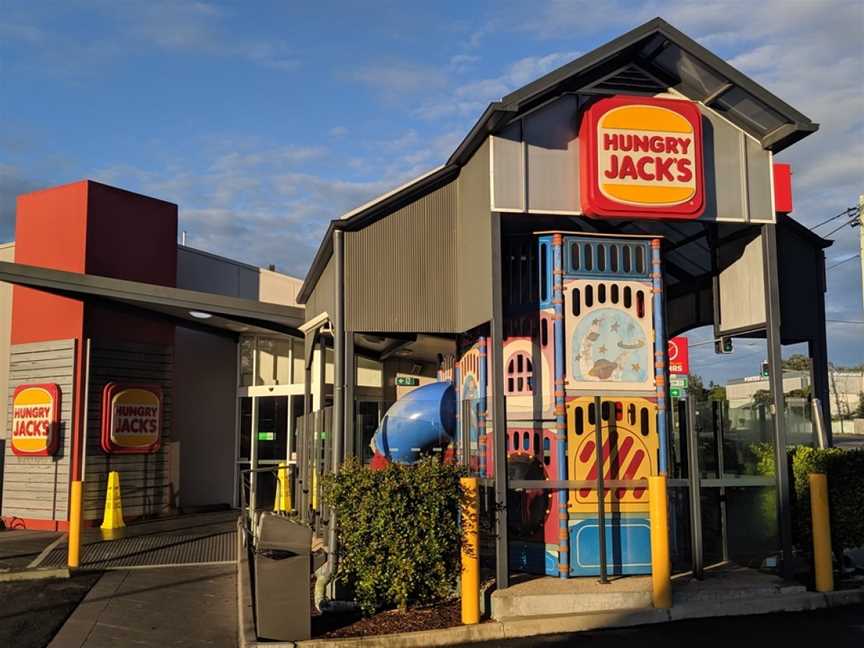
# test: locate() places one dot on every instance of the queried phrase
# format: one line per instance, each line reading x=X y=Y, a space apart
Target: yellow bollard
x=113 y=518
x=661 y=566
x=470 y=552
x=822 y=563
x=74 y=558
x=283 y=490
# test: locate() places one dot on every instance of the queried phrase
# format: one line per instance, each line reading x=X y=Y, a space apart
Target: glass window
x=247 y=348
x=274 y=361
x=245 y=427
x=299 y=362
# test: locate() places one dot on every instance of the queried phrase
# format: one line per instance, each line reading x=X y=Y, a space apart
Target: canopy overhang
x=218 y=313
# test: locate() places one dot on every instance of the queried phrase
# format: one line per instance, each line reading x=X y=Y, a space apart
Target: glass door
x=263 y=437
x=724 y=451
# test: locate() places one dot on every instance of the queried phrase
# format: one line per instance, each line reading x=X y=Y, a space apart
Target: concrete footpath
x=177 y=606
x=494 y=632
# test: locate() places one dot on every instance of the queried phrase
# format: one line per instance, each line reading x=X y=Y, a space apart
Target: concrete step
x=549 y=597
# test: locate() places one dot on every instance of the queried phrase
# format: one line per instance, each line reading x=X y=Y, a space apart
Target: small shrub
x=845 y=471
x=398 y=531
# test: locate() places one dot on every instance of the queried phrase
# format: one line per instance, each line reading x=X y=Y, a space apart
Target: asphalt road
x=848 y=440
x=835 y=628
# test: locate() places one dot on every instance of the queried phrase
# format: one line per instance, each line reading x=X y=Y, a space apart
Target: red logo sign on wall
x=679 y=356
x=36 y=420
x=641 y=158
x=131 y=418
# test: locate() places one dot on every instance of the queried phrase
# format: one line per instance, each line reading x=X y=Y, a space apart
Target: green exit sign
x=266 y=436
x=407 y=381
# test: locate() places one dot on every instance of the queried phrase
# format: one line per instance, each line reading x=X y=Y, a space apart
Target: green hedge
x=845 y=471
x=398 y=531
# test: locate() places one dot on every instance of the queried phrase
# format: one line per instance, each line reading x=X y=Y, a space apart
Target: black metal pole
x=696 y=552
x=499 y=413
x=601 y=491
x=775 y=379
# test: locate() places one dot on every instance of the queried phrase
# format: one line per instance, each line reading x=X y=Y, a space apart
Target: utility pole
x=861 y=235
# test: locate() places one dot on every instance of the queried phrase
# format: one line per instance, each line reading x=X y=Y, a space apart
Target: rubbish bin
x=282 y=578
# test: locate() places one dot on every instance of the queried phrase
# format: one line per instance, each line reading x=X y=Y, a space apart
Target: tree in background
x=796 y=362
x=859 y=411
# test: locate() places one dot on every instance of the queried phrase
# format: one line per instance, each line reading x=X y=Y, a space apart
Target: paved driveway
x=156 y=607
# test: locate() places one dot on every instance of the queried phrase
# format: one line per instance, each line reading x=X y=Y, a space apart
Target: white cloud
x=337 y=131
x=470 y=98
x=394 y=80
x=172 y=26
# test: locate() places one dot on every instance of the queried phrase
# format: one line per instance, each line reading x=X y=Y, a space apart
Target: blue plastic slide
x=420 y=423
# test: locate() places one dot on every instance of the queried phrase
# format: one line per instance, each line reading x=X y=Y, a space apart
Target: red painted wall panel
x=50 y=231
x=130 y=236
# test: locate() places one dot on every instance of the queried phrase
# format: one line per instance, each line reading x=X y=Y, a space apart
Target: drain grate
x=153 y=551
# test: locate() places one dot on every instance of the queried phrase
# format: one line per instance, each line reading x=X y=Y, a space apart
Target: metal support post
x=694 y=476
x=470 y=577
x=560 y=414
x=822 y=563
x=599 y=455
x=499 y=414
x=659 y=355
x=775 y=378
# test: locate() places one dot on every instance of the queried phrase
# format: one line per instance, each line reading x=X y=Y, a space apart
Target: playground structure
x=535 y=279
x=596 y=297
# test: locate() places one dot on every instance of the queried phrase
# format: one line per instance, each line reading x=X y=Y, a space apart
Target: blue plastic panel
x=628 y=546
x=533 y=557
x=600 y=257
x=544 y=261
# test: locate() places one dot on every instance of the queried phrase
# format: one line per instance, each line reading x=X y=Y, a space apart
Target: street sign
x=407 y=381
x=679 y=355
x=675 y=392
x=679 y=381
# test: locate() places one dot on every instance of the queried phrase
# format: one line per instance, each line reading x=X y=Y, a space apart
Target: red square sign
x=641 y=157
x=679 y=356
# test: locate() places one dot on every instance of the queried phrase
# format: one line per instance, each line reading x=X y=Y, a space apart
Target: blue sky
x=265 y=120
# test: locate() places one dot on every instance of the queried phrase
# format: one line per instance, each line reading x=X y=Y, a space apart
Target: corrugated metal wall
x=400 y=272
x=38 y=487
x=323 y=297
x=474 y=241
x=145 y=480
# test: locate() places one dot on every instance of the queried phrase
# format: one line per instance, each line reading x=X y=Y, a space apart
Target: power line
x=850 y=223
x=833 y=321
x=845 y=212
x=852 y=258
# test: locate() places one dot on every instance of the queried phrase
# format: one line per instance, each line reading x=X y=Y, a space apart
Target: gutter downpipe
x=328 y=570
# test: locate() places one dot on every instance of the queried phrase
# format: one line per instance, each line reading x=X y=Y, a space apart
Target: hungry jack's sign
x=642 y=158
x=36 y=420
x=131 y=418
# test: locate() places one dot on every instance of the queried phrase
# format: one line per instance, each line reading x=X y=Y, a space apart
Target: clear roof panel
x=743 y=107
x=694 y=75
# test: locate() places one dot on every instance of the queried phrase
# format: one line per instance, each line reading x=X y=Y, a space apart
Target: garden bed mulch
x=438 y=616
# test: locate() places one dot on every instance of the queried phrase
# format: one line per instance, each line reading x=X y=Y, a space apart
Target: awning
x=184 y=307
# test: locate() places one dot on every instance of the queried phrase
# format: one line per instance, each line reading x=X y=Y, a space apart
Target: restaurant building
x=535 y=278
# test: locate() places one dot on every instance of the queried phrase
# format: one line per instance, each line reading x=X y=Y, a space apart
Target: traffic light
x=765 y=369
x=723 y=345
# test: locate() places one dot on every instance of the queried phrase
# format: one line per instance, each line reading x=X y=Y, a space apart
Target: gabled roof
x=653 y=54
